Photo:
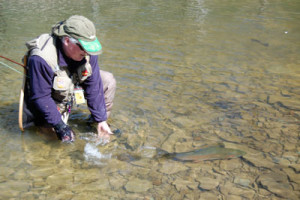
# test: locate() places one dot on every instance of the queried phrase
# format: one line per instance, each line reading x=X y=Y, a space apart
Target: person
x=62 y=70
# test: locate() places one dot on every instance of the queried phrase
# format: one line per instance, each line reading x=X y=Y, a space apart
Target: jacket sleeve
x=94 y=92
x=41 y=81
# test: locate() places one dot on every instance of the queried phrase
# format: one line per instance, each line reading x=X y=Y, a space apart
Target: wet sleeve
x=41 y=81
x=94 y=92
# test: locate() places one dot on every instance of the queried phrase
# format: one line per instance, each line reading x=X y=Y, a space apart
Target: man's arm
x=94 y=92
x=41 y=77
x=95 y=99
x=41 y=81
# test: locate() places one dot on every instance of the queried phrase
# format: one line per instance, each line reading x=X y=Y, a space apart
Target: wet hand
x=104 y=132
x=64 y=132
x=70 y=137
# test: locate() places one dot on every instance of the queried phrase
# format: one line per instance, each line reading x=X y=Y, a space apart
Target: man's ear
x=66 y=40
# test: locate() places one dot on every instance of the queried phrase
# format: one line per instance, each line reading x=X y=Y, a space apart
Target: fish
x=204 y=153
x=214 y=152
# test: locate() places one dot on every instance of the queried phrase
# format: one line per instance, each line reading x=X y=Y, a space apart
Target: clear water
x=189 y=73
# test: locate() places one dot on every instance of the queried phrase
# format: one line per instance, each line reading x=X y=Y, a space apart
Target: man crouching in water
x=62 y=71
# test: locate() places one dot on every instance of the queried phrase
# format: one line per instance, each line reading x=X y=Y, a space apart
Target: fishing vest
x=64 y=82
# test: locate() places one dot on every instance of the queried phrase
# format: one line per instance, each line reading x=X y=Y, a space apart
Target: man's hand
x=64 y=132
x=104 y=132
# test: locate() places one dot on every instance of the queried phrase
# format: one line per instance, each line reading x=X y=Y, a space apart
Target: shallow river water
x=189 y=73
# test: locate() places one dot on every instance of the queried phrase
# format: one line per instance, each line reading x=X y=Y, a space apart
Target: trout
x=216 y=152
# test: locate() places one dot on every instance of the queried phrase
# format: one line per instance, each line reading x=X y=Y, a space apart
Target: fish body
x=217 y=152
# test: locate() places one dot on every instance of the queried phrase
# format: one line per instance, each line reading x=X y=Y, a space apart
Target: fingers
x=103 y=138
x=106 y=129
x=104 y=132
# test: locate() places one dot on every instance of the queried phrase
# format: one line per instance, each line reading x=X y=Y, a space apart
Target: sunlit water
x=189 y=73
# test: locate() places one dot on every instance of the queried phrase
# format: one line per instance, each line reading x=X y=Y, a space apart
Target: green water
x=189 y=73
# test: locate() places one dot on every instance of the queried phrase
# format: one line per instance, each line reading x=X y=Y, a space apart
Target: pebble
x=207 y=183
x=242 y=181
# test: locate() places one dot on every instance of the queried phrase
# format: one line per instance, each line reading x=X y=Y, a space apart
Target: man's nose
x=85 y=53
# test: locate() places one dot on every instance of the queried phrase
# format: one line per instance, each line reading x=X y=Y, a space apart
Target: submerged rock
x=229 y=188
x=171 y=168
x=242 y=181
x=181 y=184
x=138 y=185
x=277 y=184
x=207 y=183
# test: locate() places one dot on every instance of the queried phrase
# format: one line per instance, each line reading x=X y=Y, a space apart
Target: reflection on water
x=190 y=73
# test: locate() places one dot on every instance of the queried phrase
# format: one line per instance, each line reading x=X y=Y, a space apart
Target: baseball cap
x=82 y=29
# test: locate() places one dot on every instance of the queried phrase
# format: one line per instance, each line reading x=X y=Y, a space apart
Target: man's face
x=73 y=50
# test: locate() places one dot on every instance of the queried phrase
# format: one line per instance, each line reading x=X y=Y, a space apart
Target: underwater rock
x=258 y=160
x=134 y=141
x=231 y=164
x=181 y=184
x=208 y=195
x=138 y=185
x=229 y=188
x=277 y=184
x=242 y=181
x=207 y=183
x=171 y=168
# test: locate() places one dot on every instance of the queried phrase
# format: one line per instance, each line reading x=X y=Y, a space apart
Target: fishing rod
x=12 y=62
x=21 y=101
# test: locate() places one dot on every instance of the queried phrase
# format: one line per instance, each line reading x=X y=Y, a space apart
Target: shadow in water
x=9 y=124
x=9 y=117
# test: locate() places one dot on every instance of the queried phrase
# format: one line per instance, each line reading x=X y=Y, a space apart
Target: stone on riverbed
x=12 y=188
x=41 y=172
x=207 y=183
x=171 y=168
x=258 y=160
x=229 y=188
x=229 y=165
x=242 y=181
x=138 y=185
x=277 y=184
x=59 y=179
x=182 y=185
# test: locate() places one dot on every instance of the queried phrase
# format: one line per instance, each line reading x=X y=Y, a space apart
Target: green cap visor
x=92 y=48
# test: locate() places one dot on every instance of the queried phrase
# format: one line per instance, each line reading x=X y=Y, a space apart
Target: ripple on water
x=94 y=156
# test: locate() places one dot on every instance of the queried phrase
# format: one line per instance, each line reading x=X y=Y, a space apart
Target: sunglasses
x=80 y=46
